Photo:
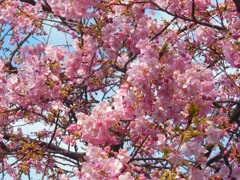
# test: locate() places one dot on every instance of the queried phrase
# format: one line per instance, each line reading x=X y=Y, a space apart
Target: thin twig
x=15 y=50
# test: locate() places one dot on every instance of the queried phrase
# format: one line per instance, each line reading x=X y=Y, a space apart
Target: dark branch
x=51 y=147
x=15 y=50
x=237 y=4
x=235 y=115
x=214 y=159
x=45 y=6
x=190 y=19
x=32 y=2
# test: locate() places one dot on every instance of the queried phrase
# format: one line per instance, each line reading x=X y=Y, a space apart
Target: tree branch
x=8 y=64
x=56 y=149
x=237 y=4
x=235 y=115
x=189 y=19
x=45 y=7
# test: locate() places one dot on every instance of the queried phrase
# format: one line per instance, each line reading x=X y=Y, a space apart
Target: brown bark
x=237 y=4
x=49 y=147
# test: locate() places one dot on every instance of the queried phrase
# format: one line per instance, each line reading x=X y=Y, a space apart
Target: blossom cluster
x=129 y=96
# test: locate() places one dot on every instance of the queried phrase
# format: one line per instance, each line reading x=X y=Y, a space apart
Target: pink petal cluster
x=124 y=90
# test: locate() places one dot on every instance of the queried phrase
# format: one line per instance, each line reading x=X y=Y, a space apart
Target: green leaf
x=193 y=110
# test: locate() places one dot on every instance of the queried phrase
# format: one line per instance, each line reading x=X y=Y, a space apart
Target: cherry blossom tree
x=142 y=89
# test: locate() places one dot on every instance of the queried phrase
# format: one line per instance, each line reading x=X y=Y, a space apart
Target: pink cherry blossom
x=189 y=149
x=238 y=147
x=119 y=89
x=175 y=158
x=224 y=171
x=197 y=174
x=1 y=137
x=125 y=176
x=236 y=172
x=213 y=135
